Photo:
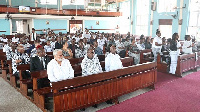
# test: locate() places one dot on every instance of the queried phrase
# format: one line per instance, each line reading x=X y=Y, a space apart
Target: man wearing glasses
x=90 y=64
x=38 y=63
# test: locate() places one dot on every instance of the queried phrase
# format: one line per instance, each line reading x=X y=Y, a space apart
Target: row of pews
x=185 y=63
x=81 y=92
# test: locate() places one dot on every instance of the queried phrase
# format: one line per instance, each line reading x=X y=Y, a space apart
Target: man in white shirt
x=90 y=64
x=157 y=45
x=4 y=39
x=187 y=46
x=59 y=68
x=112 y=61
x=33 y=35
x=101 y=42
x=15 y=39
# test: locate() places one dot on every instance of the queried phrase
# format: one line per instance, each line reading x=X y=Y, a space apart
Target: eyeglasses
x=91 y=52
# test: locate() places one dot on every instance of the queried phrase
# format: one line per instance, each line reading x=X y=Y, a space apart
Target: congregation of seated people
x=87 y=45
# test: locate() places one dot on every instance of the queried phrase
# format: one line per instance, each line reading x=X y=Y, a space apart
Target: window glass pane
x=142 y=17
x=51 y=2
x=166 y=31
x=73 y=2
x=19 y=25
x=193 y=19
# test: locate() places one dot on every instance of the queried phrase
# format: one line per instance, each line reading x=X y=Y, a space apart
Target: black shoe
x=95 y=105
x=83 y=109
x=109 y=102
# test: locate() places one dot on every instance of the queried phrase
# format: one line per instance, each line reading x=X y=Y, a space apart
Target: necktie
x=41 y=60
x=33 y=36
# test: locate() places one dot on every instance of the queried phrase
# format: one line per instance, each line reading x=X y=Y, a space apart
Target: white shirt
x=113 y=62
x=158 y=40
x=178 y=45
x=185 y=47
x=4 y=40
x=14 y=39
x=48 y=48
x=35 y=36
x=101 y=43
x=57 y=73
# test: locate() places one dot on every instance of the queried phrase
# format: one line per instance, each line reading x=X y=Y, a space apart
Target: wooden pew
x=162 y=67
x=81 y=92
x=39 y=95
x=3 y=67
x=185 y=63
x=145 y=56
x=24 y=83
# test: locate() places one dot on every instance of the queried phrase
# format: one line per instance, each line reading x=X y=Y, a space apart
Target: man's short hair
x=90 y=48
x=20 y=46
x=55 y=51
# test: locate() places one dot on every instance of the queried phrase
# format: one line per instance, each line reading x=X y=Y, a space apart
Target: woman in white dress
x=175 y=47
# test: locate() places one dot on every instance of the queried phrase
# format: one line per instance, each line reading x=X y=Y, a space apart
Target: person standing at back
x=175 y=47
x=157 y=45
x=33 y=35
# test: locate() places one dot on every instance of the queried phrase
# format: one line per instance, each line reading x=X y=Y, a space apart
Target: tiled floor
x=12 y=101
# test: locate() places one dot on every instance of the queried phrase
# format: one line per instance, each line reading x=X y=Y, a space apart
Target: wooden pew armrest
x=26 y=81
x=45 y=90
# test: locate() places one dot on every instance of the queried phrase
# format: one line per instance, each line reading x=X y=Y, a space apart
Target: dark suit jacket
x=58 y=45
x=73 y=49
x=36 y=64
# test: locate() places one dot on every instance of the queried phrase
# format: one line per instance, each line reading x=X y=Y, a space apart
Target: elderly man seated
x=59 y=68
x=90 y=64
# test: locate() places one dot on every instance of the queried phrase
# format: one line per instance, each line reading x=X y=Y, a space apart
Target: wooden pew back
x=81 y=92
x=145 y=56
x=185 y=63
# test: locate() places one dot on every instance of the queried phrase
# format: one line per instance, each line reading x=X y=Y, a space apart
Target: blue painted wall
x=103 y=24
x=73 y=6
x=30 y=3
x=2 y=2
x=53 y=24
x=186 y=15
x=5 y=26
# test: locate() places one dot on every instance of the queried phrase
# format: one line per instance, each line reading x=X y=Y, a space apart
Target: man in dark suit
x=73 y=46
x=38 y=63
x=58 y=44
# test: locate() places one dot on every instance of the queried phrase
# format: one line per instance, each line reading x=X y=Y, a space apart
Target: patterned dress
x=17 y=56
x=80 y=52
x=90 y=66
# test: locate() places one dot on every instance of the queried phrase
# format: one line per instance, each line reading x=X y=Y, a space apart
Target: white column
x=36 y=3
x=180 y=16
x=151 y=20
x=131 y=17
x=10 y=2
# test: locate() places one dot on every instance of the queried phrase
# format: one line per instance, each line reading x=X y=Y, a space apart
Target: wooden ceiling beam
x=71 y=12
